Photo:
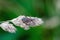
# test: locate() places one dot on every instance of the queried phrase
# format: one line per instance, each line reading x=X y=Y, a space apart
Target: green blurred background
x=45 y=9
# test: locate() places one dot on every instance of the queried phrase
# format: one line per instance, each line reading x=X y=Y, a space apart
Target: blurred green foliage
x=44 y=9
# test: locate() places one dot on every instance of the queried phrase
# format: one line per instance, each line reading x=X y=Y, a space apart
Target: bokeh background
x=48 y=10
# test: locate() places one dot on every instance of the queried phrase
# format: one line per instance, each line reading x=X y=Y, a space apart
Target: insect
x=28 y=21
